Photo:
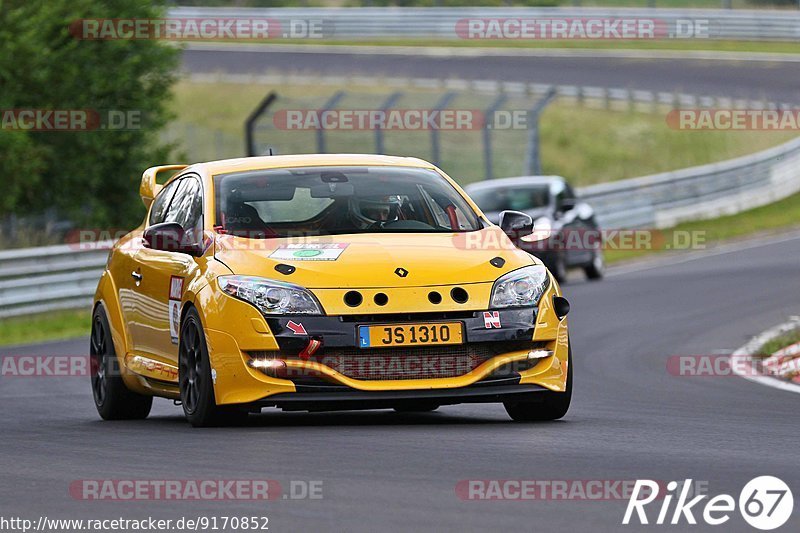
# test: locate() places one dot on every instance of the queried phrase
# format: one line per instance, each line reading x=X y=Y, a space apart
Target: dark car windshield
x=338 y=200
x=521 y=198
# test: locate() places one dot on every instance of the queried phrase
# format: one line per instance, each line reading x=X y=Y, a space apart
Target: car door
x=163 y=276
x=574 y=228
x=128 y=281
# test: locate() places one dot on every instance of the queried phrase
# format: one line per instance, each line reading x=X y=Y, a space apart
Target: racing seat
x=243 y=220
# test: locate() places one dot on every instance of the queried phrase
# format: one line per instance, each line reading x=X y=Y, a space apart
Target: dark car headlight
x=523 y=287
x=271 y=297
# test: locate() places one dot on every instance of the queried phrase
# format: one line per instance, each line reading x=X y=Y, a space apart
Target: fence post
x=327 y=106
x=488 y=116
x=387 y=104
x=250 y=123
x=533 y=160
x=443 y=102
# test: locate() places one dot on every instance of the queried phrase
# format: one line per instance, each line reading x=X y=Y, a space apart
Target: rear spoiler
x=149 y=188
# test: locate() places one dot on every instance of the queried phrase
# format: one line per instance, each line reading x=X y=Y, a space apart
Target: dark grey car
x=574 y=239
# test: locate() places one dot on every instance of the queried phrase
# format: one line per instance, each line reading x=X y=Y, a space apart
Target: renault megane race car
x=324 y=282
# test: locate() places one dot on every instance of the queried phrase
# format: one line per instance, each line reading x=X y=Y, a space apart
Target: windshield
x=517 y=199
x=338 y=200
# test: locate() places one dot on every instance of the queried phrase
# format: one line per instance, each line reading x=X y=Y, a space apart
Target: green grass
x=603 y=44
x=772 y=217
x=787 y=339
x=58 y=325
x=586 y=145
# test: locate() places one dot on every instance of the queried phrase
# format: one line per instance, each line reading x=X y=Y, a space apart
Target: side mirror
x=171 y=237
x=584 y=211
x=516 y=224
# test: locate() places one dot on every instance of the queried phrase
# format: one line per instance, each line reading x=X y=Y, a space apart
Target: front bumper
x=234 y=344
x=339 y=398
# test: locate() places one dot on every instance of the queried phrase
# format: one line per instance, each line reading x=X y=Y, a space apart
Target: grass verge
x=776 y=216
x=58 y=325
x=787 y=339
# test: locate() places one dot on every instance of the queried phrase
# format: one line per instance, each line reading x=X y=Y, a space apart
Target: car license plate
x=410 y=335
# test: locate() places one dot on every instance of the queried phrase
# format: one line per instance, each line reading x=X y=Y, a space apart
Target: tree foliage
x=90 y=177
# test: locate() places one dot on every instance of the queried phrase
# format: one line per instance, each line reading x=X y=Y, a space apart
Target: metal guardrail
x=60 y=277
x=442 y=23
x=708 y=191
x=36 y=280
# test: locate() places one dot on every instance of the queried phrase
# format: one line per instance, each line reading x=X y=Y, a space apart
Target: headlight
x=269 y=296
x=520 y=288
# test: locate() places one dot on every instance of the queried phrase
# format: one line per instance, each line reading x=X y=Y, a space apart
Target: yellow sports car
x=324 y=282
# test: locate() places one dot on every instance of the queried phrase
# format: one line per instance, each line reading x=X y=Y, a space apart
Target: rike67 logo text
x=765 y=503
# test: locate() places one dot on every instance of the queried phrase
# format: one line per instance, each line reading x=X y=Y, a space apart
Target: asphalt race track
x=775 y=81
x=381 y=470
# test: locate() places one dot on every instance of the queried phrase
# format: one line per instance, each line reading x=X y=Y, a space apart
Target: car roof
x=512 y=182
x=305 y=160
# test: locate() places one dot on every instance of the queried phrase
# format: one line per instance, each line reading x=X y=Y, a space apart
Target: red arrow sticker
x=296 y=328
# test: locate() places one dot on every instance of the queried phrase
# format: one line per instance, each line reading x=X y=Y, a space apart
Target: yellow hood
x=371 y=260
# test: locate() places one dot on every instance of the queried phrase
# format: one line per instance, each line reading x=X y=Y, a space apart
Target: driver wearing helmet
x=374 y=212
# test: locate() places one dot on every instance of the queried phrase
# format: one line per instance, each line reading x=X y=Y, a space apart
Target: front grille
x=386 y=364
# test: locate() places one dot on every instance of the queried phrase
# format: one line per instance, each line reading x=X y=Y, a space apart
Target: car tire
x=113 y=399
x=547 y=406
x=597 y=268
x=195 y=382
x=421 y=407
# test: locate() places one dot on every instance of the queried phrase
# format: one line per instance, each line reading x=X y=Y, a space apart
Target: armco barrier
x=708 y=191
x=35 y=280
x=440 y=23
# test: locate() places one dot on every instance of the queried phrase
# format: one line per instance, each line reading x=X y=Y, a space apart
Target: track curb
x=742 y=361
